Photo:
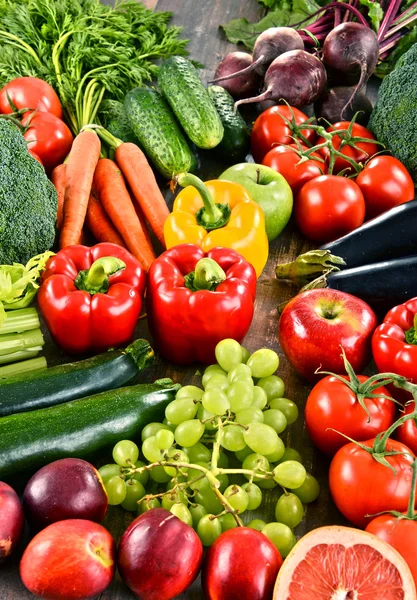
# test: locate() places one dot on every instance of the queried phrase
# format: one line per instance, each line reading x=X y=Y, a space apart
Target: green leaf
x=375 y=12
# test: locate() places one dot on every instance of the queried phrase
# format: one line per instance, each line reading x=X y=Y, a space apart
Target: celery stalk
x=20 y=320
x=24 y=366
x=20 y=355
x=22 y=341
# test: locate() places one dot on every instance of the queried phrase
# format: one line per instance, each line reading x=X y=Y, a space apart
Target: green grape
x=267 y=484
x=238 y=372
x=150 y=450
x=116 y=490
x=290 y=454
x=143 y=477
x=254 y=495
x=290 y=474
x=134 y=492
x=125 y=453
x=281 y=536
x=210 y=371
x=194 y=473
x=197 y=511
x=289 y=510
x=169 y=425
x=159 y=474
x=228 y=354
x=198 y=453
x=287 y=407
x=205 y=415
x=223 y=461
x=242 y=454
x=189 y=433
x=224 y=481
x=182 y=409
x=175 y=481
x=189 y=391
x=257 y=524
x=240 y=395
x=209 y=500
x=309 y=490
x=232 y=438
x=182 y=512
x=173 y=497
x=217 y=382
x=255 y=462
x=108 y=471
x=260 y=399
x=249 y=415
x=216 y=402
x=151 y=429
x=261 y=438
x=176 y=456
x=208 y=529
x=275 y=419
x=146 y=505
x=273 y=386
x=164 y=439
x=245 y=355
x=263 y=363
x=279 y=452
x=227 y=521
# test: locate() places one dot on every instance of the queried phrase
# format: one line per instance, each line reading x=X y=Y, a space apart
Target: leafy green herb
x=375 y=13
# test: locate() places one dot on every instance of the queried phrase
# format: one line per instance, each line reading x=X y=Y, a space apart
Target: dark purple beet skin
x=159 y=556
x=240 y=86
x=12 y=520
x=70 y=488
x=273 y=42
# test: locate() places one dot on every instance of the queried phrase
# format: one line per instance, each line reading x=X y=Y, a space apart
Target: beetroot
x=336 y=106
x=234 y=75
x=11 y=520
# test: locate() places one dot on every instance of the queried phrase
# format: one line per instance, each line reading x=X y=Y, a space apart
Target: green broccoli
x=394 y=118
x=28 y=200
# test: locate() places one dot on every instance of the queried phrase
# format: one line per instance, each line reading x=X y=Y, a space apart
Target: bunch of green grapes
x=217 y=451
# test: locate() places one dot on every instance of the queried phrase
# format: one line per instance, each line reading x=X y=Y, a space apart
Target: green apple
x=269 y=189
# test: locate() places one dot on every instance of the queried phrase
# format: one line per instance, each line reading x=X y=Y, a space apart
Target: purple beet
x=336 y=105
x=239 y=86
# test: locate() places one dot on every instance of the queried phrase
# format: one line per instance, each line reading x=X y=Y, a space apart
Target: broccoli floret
x=28 y=200
x=394 y=118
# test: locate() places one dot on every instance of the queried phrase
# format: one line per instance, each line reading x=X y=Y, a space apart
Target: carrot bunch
x=114 y=199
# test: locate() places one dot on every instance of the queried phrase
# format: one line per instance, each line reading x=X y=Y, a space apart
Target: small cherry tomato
x=285 y=160
x=48 y=137
x=362 y=151
x=30 y=92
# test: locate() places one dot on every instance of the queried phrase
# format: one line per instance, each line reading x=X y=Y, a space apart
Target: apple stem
x=258 y=175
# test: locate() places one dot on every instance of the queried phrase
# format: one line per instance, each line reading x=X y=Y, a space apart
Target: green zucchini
x=235 y=142
x=180 y=84
x=47 y=387
x=158 y=132
x=81 y=428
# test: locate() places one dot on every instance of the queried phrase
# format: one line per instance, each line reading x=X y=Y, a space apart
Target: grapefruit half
x=342 y=563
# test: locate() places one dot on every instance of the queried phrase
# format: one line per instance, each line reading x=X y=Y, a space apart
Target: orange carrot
x=59 y=179
x=99 y=223
x=117 y=203
x=145 y=190
x=142 y=221
x=81 y=164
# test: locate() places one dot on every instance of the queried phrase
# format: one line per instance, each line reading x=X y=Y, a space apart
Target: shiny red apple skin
x=12 y=520
x=316 y=324
x=159 y=556
x=69 y=560
x=69 y=488
x=242 y=564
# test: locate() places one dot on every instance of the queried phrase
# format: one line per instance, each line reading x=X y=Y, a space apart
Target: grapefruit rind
x=346 y=537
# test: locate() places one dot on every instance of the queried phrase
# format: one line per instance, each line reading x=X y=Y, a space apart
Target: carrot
x=99 y=223
x=145 y=190
x=81 y=164
x=142 y=222
x=59 y=179
x=116 y=201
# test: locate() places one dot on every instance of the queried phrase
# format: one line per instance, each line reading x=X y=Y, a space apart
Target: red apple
x=69 y=560
x=241 y=564
x=316 y=324
x=159 y=556
x=11 y=520
x=70 y=488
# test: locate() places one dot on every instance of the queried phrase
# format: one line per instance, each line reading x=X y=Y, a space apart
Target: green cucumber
x=158 y=132
x=115 y=120
x=235 y=142
x=80 y=429
x=47 y=387
x=180 y=84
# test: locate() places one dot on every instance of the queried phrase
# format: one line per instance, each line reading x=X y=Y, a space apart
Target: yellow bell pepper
x=218 y=213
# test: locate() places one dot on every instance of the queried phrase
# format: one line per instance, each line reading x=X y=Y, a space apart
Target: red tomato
x=385 y=183
x=333 y=405
x=270 y=128
x=401 y=534
x=328 y=207
x=285 y=160
x=48 y=137
x=407 y=433
x=30 y=92
x=361 y=486
x=361 y=153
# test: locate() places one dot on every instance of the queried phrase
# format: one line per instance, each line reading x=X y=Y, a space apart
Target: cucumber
x=47 y=387
x=81 y=428
x=180 y=84
x=115 y=120
x=158 y=132
x=235 y=142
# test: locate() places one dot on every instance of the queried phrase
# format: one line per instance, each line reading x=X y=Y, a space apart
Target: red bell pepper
x=195 y=299
x=91 y=298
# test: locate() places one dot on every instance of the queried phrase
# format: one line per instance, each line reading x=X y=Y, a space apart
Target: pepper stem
x=96 y=279
x=211 y=215
x=207 y=276
x=411 y=334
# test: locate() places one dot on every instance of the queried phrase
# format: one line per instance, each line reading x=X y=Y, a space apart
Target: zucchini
x=47 y=387
x=235 y=143
x=158 y=132
x=80 y=429
x=180 y=84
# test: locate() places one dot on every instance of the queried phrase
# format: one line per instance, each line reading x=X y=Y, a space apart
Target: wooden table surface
x=200 y=19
